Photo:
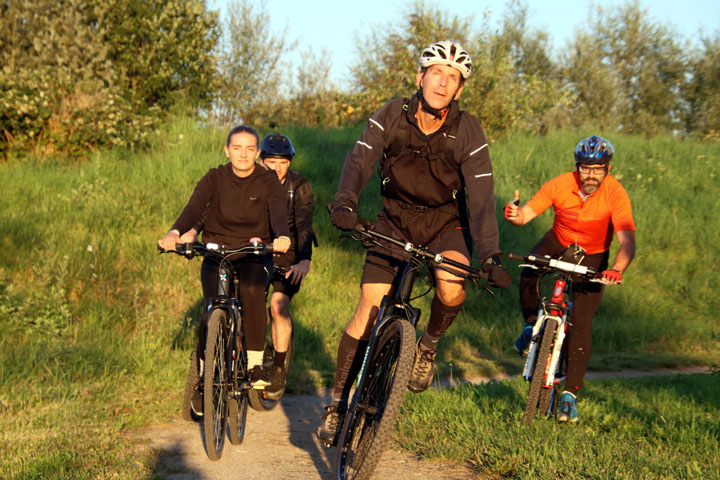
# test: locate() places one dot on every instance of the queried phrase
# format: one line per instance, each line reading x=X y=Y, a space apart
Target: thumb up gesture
x=511 y=209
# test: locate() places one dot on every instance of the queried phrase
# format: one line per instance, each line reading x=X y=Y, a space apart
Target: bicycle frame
x=398 y=304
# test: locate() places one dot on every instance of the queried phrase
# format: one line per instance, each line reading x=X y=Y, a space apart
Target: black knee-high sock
x=349 y=360
x=279 y=359
x=441 y=317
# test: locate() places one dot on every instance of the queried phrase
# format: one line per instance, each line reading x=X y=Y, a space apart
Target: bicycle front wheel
x=237 y=415
x=238 y=401
x=376 y=404
x=540 y=369
x=216 y=383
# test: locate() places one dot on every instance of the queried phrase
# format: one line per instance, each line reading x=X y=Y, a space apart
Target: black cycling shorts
x=281 y=284
x=382 y=266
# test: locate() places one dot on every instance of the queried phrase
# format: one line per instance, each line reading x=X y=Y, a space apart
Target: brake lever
x=476 y=282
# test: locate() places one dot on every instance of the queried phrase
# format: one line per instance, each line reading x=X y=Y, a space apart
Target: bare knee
x=363 y=319
x=451 y=296
x=280 y=305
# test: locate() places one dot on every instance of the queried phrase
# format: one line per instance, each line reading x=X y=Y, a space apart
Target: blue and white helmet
x=593 y=150
x=447 y=53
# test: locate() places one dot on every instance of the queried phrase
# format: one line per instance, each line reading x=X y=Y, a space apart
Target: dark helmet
x=593 y=150
x=276 y=145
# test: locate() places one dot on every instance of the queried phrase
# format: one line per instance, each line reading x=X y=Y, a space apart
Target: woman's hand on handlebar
x=189 y=237
x=168 y=242
x=281 y=244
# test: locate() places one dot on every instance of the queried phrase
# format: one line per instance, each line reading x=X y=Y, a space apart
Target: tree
x=387 y=57
x=514 y=84
x=703 y=90
x=628 y=71
x=162 y=50
x=251 y=66
x=517 y=85
x=79 y=75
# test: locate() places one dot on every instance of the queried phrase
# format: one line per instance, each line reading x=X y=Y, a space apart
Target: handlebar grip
x=363 y=225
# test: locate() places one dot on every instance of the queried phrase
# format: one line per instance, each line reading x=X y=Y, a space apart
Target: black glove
x=343 y=217
x=498 y=276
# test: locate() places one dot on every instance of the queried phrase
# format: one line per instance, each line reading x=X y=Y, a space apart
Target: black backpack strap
x=400 y=139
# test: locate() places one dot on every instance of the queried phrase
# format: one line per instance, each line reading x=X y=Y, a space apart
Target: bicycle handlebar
x=556 y=264
x=364 y=230
x=190 y=250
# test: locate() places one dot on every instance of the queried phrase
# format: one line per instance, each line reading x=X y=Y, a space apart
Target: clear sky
x=334 y=25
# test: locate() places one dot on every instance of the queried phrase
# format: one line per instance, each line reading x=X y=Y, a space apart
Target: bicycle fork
x=559 y=308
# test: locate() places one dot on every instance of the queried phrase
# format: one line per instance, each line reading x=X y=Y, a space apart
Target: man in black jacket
x=437 y=191
x=276 y=153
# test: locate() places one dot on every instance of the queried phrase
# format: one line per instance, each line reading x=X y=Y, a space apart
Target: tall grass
x=97 y=327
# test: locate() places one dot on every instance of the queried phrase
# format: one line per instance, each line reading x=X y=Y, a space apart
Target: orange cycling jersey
x=589 y=223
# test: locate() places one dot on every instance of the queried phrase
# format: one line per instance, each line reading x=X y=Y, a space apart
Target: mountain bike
x=388 y=360
x=546 y=360
x=223 y=381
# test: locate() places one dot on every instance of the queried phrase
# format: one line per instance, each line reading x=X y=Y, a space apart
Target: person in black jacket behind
x=276 y=153
x=234 y=203
x=437 y=191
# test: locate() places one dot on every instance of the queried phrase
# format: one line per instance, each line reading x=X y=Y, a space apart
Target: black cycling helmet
x=594 y=150
x=276 y=145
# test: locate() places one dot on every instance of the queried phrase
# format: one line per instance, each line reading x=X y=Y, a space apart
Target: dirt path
x=281 y=444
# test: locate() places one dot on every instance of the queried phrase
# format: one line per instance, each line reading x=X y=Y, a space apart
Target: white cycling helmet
x=447 y=53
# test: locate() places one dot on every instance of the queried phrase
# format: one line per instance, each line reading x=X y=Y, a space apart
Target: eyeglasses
x=594 y=170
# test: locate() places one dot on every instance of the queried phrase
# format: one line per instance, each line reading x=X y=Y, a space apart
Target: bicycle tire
x=544 y=401
x=216 y=384
x=540 y=362
x=258 y=398
x=192 y=383
x=370 y=420
x=237 y=416
x=238 y=403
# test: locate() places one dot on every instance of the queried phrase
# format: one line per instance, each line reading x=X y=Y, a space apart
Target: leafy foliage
x=514 y=83
x=627 y=72
x=703 y=90
x=161 y=49
x=250 y=66
x=80 y=75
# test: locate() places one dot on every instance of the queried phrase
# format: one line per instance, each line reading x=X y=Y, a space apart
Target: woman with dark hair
x=235 y=203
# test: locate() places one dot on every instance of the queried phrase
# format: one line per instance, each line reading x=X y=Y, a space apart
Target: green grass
x=649 y=428
x=97 y=327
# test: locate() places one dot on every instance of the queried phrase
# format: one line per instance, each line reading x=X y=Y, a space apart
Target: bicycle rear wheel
x=538 y=375
x=216 y=383
x=258 y=398
x=192 y=385
x=376 y=404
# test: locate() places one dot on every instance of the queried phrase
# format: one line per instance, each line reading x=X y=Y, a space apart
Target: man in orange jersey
x=589 y=206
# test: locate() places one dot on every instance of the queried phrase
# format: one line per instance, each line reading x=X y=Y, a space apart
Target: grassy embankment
x=97 y=328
